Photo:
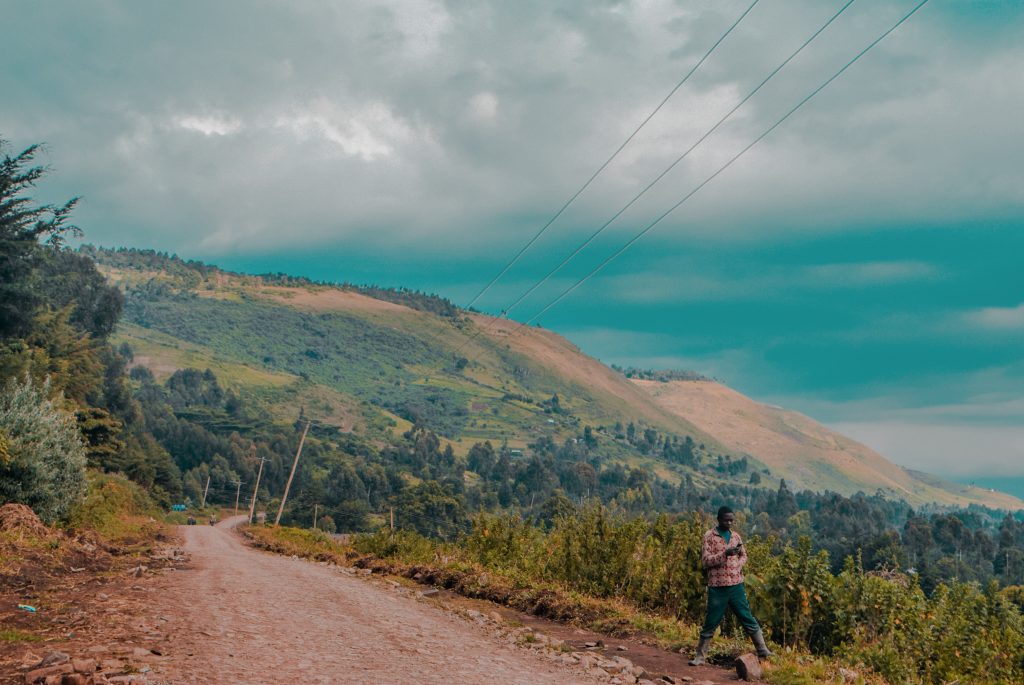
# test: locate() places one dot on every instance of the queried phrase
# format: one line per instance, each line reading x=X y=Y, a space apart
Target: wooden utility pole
x=256 y=490
x=392 y=519
x=315 y=508
x=238 y=494
x=288 y=485
x=205 y=490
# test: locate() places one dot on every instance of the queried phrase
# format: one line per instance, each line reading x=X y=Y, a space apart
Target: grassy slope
x=809 y=454
x=353 y=361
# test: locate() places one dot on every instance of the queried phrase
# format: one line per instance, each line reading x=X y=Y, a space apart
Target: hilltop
x=376 y=361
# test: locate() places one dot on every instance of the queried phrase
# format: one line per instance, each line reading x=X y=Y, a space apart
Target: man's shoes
x=702 y=652
x=762 y=649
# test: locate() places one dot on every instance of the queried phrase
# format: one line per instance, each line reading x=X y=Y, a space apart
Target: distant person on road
x=722 y=555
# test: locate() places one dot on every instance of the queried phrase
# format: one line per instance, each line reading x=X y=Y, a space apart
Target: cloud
x=948 y=450
x=869 y=273
x=215 y=125
x=422 y=23
x=997 y=318
x=483 y=107
x=694 y=282
x=369 y=132
x=912 y=132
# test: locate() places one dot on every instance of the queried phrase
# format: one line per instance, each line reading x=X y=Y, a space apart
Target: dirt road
x=244 y=616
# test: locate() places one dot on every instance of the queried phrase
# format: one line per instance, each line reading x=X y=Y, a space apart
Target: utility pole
x=205 y=490
x=238 y=493
x=255 y=490
x=392 y=519
x=315 y=507
x=288 y=485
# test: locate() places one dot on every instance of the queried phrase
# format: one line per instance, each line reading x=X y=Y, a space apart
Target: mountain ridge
x=373 y=356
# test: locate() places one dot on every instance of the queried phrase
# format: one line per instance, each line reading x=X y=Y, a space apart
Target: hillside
x=809 y=454
x=377 y=361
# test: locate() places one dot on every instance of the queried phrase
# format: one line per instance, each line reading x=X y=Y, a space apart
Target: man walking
x=722 y=556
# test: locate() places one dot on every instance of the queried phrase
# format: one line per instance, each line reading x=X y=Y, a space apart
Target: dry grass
x=804 y=452
x=328 y=299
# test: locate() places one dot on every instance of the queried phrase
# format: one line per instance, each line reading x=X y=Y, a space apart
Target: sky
x=861 y=264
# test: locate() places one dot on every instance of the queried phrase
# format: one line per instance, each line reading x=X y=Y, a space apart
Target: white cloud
x=869 y=273
x=211 y=125
x=422 y=23
x=483 y=107
x=678 y=282
x=368 y=132
x=997 y=318
x=912 y=132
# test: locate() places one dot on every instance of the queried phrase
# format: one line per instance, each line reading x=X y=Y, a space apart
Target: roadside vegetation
x=632 y=576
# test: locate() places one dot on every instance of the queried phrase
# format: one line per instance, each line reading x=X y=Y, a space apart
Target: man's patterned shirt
x=722 y=570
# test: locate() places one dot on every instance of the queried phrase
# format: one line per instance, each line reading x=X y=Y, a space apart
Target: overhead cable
x=725 y=166
x=593 y=236
x=608 y=161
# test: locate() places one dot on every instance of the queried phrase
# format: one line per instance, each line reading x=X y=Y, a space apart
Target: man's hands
x=733 y=551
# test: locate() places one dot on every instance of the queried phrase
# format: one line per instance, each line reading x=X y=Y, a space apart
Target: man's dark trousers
x=719 y=598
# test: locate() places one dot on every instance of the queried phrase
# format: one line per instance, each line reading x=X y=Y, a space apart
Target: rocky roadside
x=111 y=640
x=75 y=610
x=98 y=665
x=599 y=658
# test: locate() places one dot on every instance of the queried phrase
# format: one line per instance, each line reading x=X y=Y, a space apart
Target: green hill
x=376 y=361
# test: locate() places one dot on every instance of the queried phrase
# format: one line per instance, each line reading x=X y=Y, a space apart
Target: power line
x=658 y=178
x=681 y=157
x=725 y=166
x=608 y=161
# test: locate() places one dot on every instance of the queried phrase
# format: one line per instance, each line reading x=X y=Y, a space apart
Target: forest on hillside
x=73 y=404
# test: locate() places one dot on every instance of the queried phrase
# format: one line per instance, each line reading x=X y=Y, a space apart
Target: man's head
x=726 y=517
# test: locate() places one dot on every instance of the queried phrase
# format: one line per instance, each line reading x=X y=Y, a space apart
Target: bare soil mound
x=17 y=518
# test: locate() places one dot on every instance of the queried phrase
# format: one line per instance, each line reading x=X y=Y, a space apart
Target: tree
x=45 y=464
x=23 y=224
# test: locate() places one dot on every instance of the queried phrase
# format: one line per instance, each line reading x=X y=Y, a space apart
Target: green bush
x=116 y=508
x=44 y=466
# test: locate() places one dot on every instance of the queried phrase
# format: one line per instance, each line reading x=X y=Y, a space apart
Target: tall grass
x=876 y=622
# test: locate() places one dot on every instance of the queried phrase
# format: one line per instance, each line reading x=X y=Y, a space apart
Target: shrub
x=44 y=466
x=118 y=509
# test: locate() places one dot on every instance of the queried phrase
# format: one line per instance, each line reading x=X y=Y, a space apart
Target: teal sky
x=862 y=264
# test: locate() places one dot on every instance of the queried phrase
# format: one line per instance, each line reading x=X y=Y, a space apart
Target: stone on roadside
x=748 y=667
x=41 y=674
x=84 y=665
x=112 y=665
x=638 y=672
x=429 y=593
x=53 y=658
x=75 y=679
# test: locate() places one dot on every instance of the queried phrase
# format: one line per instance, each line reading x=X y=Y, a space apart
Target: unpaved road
x=239 y=615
